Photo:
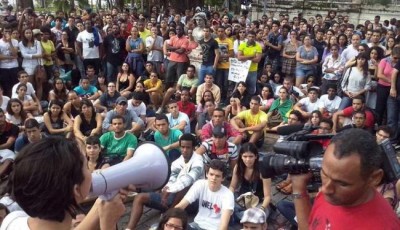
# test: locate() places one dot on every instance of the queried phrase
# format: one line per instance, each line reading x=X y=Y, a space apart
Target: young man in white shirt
x=216 y=202
x=308 y=104
x=329 y=103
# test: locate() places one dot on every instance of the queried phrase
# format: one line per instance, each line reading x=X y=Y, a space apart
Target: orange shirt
x=177 y=42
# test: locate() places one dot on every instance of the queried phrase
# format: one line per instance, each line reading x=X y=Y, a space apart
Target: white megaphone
x=149 y=168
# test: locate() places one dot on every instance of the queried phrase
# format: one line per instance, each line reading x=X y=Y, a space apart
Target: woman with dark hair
x=59 y=91
x=240 y=38
x=174 y=218
x=234 y=108
x=356 y=81
x=135 y=48
x=16 y=113
x=241 y=93
x=125 y=80
x=31 y=51
x=29 y=105
x=246 y=177
x=278 y=112
x=65 y=52
x=315 y=118
x=342 y=41
x=88 y=122
x=48 y=54
x=328 y=48
x=94 y=154
x=267 y=97
x=58 y=163
x=390 y=43
x=306 y=57
x=55 y=120
x=207 y=96
x=289 y=54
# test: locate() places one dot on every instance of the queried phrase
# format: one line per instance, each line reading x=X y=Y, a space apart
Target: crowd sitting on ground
x=113 y=79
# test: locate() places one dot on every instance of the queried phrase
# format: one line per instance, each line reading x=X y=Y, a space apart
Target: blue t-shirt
x=173 y=136
x=85 y=92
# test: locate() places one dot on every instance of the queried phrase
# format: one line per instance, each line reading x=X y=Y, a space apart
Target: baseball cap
x=254 y=216
x=219 y=131
x=121 y=99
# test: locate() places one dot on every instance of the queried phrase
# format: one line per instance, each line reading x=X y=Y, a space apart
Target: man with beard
x=114 y=46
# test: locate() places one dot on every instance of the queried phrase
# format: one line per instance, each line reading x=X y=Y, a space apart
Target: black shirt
x=114 y=47
x=8 y=130
x=208 y=48
x=397 y=66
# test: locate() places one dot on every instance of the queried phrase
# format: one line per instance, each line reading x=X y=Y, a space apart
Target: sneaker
x=159 y=110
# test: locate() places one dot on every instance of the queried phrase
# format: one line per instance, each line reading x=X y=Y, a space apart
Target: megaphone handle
x=108 y=196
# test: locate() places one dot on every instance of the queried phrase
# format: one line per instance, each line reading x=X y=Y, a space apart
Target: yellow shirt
x=48 y=48
x=148 y=84
x=250 y=51
x=143 y=35
x=251 y=119
x=225 y=46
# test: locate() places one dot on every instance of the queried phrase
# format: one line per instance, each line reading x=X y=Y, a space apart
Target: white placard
x=238 y=70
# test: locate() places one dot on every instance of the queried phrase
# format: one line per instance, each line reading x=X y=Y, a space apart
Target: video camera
x=301 y=152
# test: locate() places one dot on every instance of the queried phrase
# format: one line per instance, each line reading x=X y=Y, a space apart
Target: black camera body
x=301 y=152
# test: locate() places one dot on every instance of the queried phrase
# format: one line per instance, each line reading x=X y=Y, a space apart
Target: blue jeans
x=111 y=71
x=286 y=208
x=205 y=69
x=221 y=79
x=393 y=120
x=251 y=82
x=346 y=102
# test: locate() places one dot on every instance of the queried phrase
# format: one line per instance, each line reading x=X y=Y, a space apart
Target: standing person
x=211 y=54
x=90 y=46
x=306 y=57
x=274 y=45
x=289 y=55
x=393 y=103
x=8 y=61
x=114 y=45
x=135 y=48
x=216 y=202
x=252 y=51
x=154 y=46
x=226 y=51
x=178 y=59
x=332 y=68
x=352 y=50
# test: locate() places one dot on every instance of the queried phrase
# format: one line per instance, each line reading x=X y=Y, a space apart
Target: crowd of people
x=109 y=80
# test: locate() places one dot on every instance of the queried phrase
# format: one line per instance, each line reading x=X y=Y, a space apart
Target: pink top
x=387 y=66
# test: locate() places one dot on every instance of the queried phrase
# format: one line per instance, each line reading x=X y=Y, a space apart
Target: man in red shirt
x=348 y=199
x=186 y=106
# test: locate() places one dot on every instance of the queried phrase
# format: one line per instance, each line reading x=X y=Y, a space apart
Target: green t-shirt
x=118 y=146
x=173 y=136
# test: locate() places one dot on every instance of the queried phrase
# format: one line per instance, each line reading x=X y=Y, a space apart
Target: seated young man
x=119 y=145
x=132 y=122
x=357 y=121
x=9 y=132
x=343 y=117
x=218 y=118
x=185 y=170
x=329 y=103
x=308 y=104
x=32 y=134
x=216 y=202
x=177 y=119
x=251 y=122
x=167 y=138
x=107 y=100
x=218 y=147
x=137 y=105
x=85 y=89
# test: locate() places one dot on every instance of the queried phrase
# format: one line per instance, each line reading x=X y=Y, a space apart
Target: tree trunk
x=23 y=4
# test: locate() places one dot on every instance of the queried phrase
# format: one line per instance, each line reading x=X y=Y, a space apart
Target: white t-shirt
x=5 y=49
x=154 y=55
x=139 y=110
x=309 y=106
x=211 y=204
x=3 y=105
x=89 y=50
x=175 y=121
x=17 y=220
x=330 y=105
x=29 y=91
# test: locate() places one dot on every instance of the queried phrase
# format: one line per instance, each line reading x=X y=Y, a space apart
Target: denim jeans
x=346 y=102
x=221 y=79
x=286 y=208
x=393 y=114
x=205 y=69
x=251 y=82
x=111 y=72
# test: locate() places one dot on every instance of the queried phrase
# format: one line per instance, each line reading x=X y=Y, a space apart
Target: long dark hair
x=174 y=213
x=241 y=167
x=59 y=103
x=202 y=101
x=61 y=95
x=365 y=66
x=88 y=103
x=24 y=40
x=22 y=113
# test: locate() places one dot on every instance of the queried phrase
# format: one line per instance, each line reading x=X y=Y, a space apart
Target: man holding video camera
x=351 y=170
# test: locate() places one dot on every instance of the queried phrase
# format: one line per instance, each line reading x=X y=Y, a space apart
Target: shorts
x=6 y=154
x=155 y=201
x=301 y=73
